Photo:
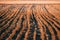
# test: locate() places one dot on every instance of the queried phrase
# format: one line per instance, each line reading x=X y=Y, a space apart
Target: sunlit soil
x=29 y=22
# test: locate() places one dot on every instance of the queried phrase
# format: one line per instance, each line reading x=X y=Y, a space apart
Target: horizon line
x=29 y=2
